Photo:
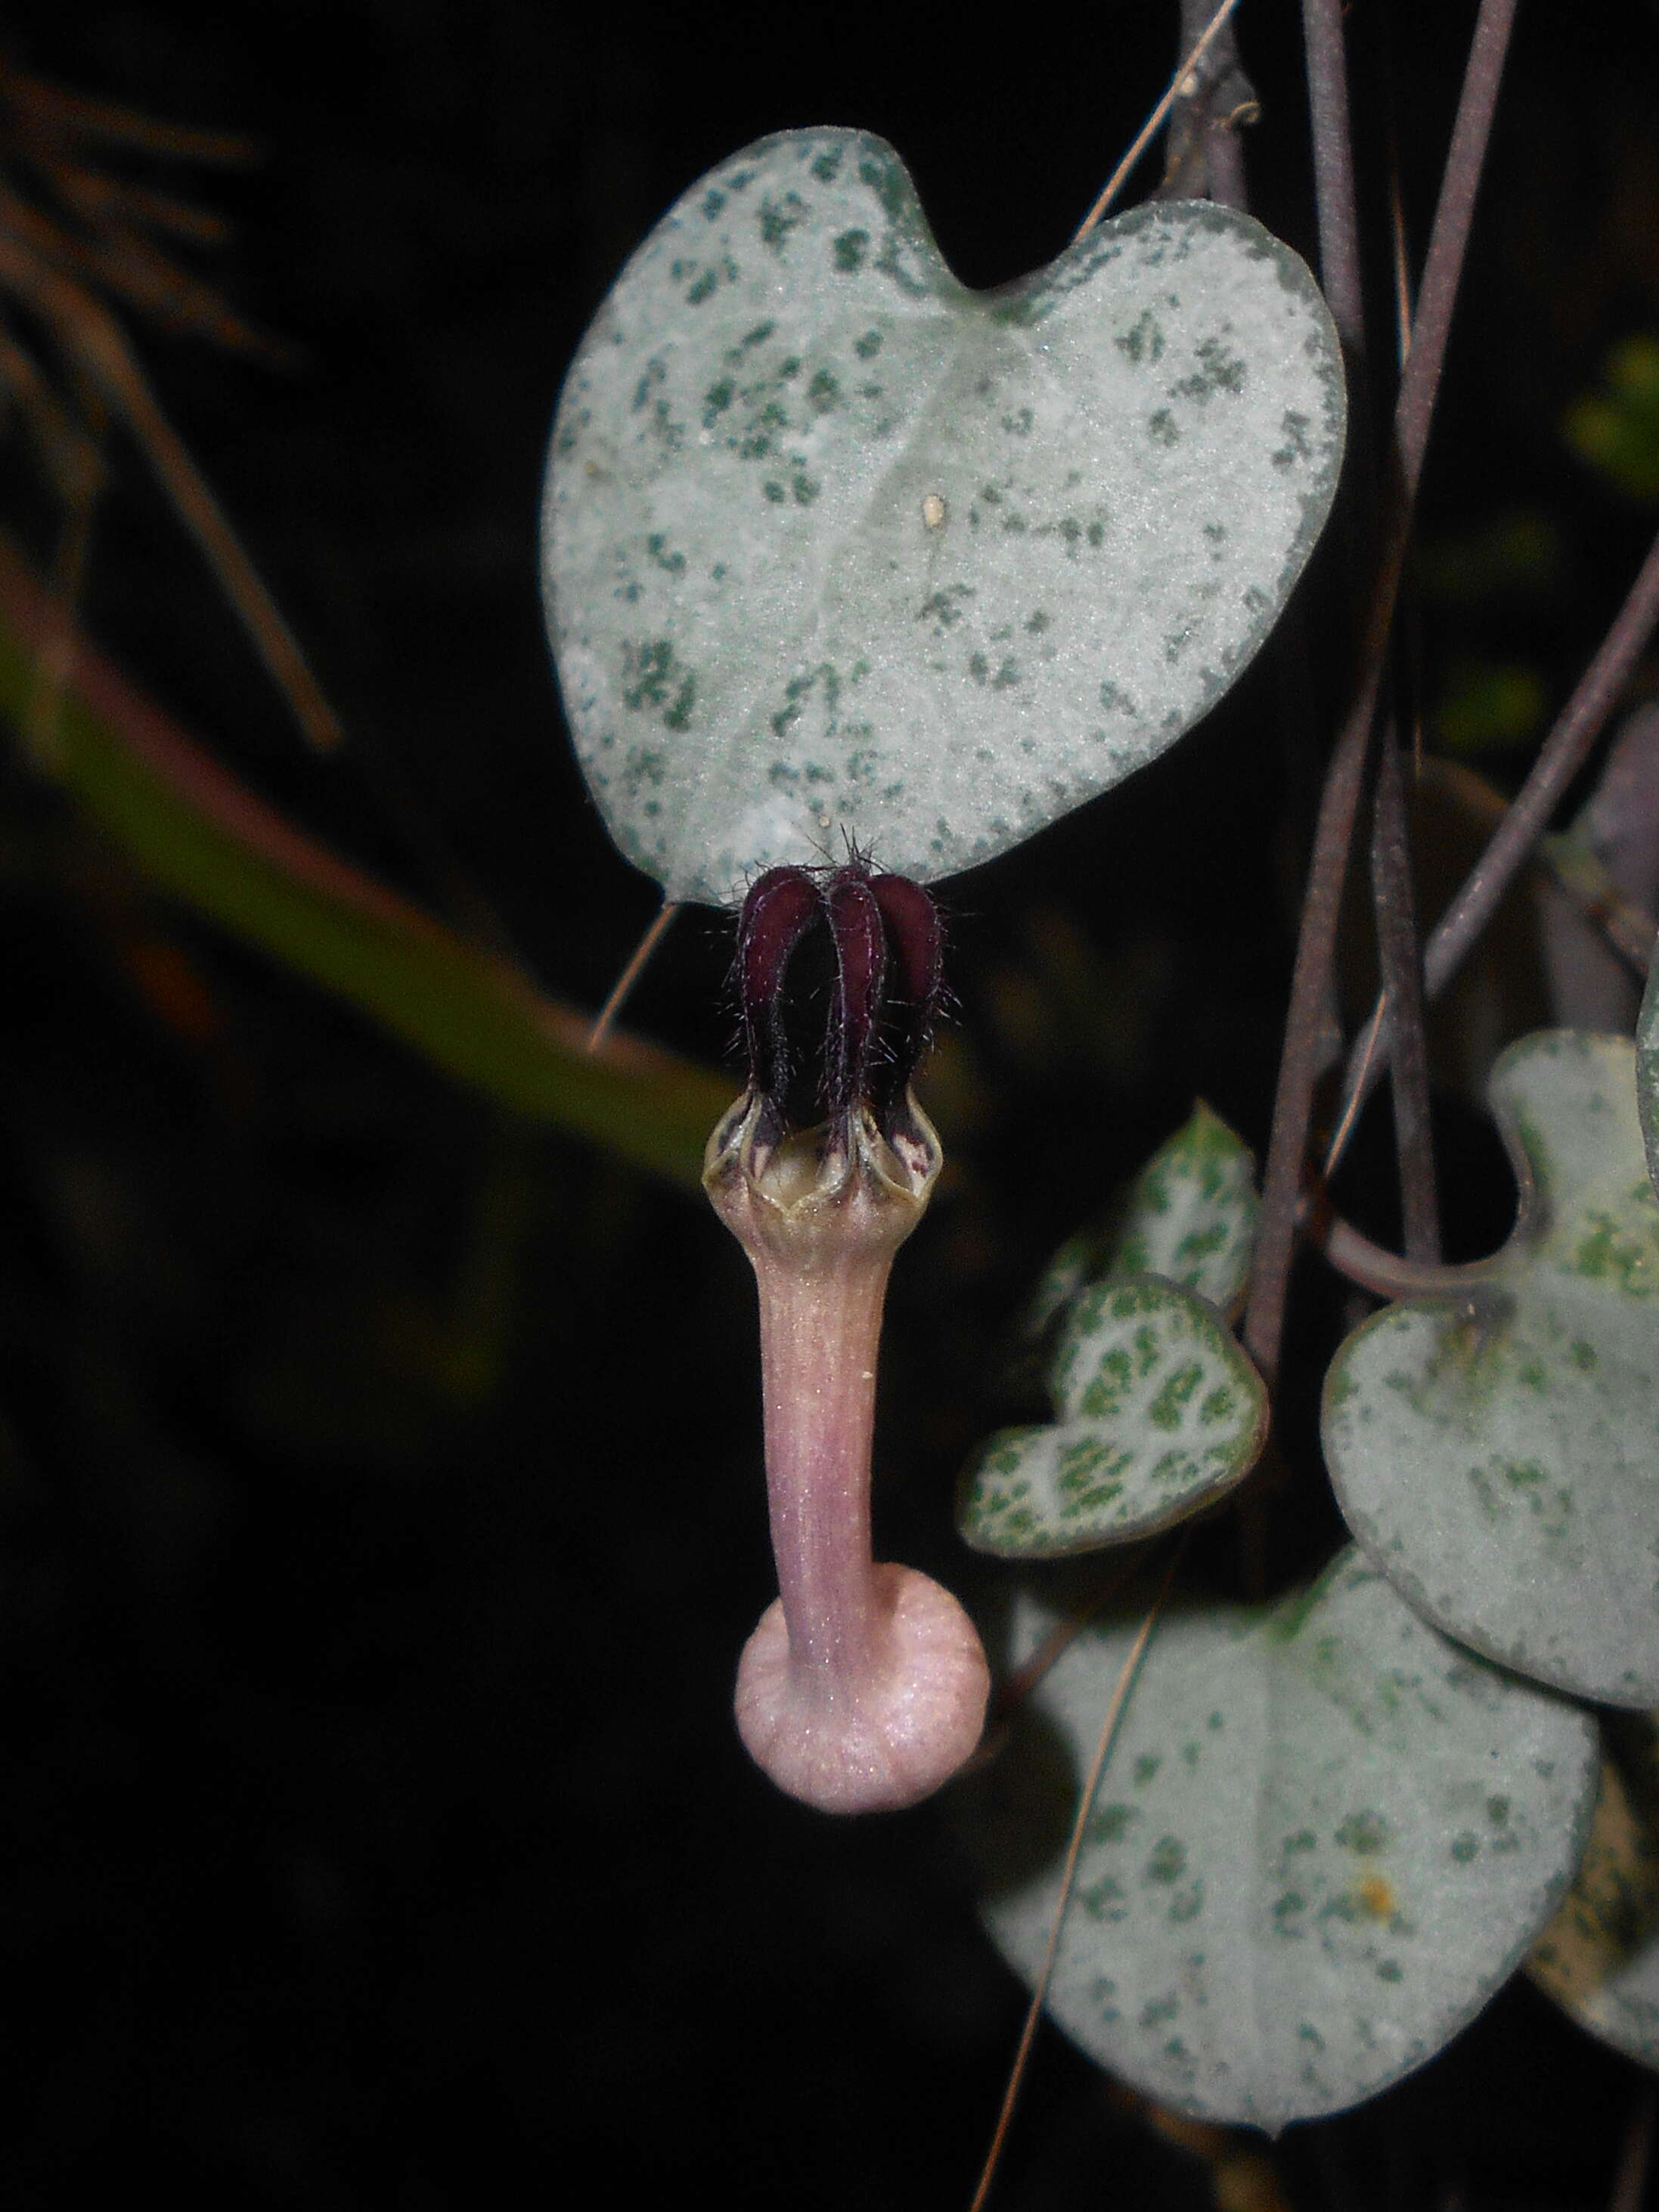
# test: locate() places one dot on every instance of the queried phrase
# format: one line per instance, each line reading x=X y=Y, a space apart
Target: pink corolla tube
x=863 y=1688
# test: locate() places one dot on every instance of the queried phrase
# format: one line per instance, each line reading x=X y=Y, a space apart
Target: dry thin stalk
x=118 y=201
x=55 y=660
x=655 y=932
x=88 y=330
x=1068 y=1876
x=126 y=265
x=51 y=111
x=1150 y=129
x=1203 y=158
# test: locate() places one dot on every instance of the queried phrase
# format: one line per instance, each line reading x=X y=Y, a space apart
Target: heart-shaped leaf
x=1189 y=1216
x=1325 y=1836
x=838 y=550
x=1599 y=1957
x=1497 y=1452
x=1160 y=1414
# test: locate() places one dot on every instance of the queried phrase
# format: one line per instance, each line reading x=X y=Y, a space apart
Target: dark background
x=379 y=1496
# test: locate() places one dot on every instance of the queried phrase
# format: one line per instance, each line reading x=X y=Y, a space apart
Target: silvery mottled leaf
x=1599 y=1957
x=1326 y=1836
x=1189 y=1216
x=1497 y=1452
x=1159 y=1413
x=835 y=548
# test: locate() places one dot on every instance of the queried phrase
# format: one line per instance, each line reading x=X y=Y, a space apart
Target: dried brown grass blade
x=92 y=336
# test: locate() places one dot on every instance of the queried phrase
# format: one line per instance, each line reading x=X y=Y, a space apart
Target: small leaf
x=1599 y=1957
x=836 y=549
x=1189 y=1216
x=1616 y=429
x=1487 y=706
x=1325 y=1836
x=1494 y=1451
x=1160 y=1414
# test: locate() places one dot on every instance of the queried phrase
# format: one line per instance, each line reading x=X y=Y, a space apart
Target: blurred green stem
x=207 y=841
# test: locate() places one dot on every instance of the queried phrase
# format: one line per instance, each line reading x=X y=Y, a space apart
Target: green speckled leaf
x=1326 y=1836
x=1159 y=1413
x=1599 y=1957
x=1497 y=1453
x=836 y=548
x=1189 y=1216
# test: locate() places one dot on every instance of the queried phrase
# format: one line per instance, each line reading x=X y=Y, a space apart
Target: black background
x=380 y=1494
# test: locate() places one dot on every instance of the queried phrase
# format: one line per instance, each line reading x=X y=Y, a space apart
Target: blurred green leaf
x=212 y=844
x=1616 y=429
x=1488 y=705
x=1512 y=555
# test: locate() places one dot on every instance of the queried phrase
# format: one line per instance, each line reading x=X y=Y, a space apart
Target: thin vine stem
x=1564 y=753
x=1395 y=904
x=1392 y=1274
x=1337 y=202
x=1301 y=1063
x=1393 y=897
x=1203 y=156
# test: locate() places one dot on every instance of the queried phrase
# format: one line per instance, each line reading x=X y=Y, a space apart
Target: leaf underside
x=836 y=549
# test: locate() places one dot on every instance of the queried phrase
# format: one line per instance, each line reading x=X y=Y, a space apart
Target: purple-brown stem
x=1399 y=956
x=1563 y=754
x=1310 y=984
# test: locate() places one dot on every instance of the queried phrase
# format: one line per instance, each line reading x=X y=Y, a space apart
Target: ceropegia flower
x=864 y=1686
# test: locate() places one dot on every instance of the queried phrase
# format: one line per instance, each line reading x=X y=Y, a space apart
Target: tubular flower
x=863 y=1688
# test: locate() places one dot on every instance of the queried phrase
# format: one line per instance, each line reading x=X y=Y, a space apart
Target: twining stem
x=1564 y=753
x=1333 y=179
x=1203 y=157
x=1394 y=900
x=1390 y=1274
x=1154 y=122
x=1311 y=981
x=1396 y=906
